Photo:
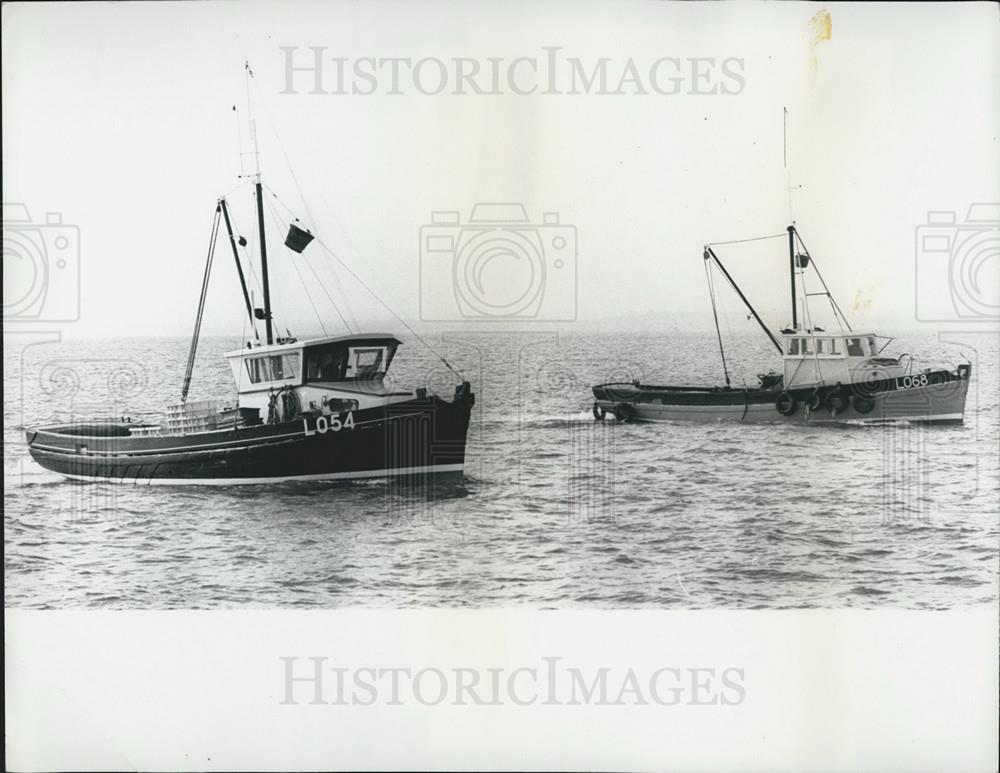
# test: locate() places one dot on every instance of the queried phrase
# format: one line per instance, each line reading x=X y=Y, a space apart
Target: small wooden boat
x=828 y=377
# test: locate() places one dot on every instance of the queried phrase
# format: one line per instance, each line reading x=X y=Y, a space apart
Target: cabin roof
x=382 y=338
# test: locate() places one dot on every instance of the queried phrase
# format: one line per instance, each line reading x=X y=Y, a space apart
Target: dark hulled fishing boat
x=828 y=377
x=318 y=409
x=307 y=410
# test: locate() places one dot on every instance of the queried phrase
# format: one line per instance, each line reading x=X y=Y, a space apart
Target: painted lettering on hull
x=910 y=382
x=323 y=424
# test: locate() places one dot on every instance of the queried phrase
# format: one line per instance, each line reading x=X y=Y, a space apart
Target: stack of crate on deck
x=200 y=416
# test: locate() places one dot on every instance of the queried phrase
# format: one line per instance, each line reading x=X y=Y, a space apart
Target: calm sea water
x=555 y=509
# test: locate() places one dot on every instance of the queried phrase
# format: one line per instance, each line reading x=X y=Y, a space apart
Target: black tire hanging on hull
x=786 y=404
x=863 y=404
x=836 y=402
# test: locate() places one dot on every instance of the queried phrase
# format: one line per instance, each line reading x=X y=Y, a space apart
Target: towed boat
x=827 y=377
x=317 y=409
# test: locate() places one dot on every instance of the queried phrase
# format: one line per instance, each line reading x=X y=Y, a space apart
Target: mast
x=791 y=271
x=263 y=262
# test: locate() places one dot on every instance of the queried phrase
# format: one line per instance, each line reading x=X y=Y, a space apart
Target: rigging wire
x=323 y=244
x=238 y=234
x=718 y=331
x=277 y=223
x=257 y=281
x=275 y=215
x=801 y=285
x=833 y=302
x=737 y=362
x=291 y=170
x=743 y=241
x=388 y=308
x=336 y=307
x=374 y=295
x=239 y=186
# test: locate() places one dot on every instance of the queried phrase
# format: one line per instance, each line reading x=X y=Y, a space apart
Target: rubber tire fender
x=863 y=404
x=836 y=402
x=786 y=404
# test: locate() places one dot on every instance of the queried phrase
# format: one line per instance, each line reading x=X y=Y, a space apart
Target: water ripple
x=556 y=510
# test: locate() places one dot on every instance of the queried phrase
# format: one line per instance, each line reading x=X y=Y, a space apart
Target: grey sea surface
x=555 y=510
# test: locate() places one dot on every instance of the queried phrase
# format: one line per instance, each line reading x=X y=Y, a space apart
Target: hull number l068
x=909 y=382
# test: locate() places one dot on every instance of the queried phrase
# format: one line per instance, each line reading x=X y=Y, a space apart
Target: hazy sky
x=119 y=116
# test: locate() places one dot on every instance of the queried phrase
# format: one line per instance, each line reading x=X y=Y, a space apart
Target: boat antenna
x=784 y=160
x=264 y=313
x=791 y=219
x=201 y=305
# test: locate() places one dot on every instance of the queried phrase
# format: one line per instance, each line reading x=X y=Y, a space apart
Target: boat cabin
x=816 y=357
x=339 y=373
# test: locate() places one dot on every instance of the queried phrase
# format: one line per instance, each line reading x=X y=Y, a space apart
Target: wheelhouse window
x=855 y=347
x=339 y=361
x=793 y=346
x=326 y=363
x=274 y=367
x=366 y=362
x=827 y=347
x=806 y=346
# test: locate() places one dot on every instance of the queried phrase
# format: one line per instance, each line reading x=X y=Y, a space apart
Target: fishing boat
x=827 y=378
x=305 y=410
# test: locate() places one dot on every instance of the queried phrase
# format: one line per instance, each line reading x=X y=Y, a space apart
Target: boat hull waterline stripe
x=320 y=449
x=361 y=475
x=937 y=403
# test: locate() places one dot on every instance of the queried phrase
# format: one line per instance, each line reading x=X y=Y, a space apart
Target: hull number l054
x=323 y=424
